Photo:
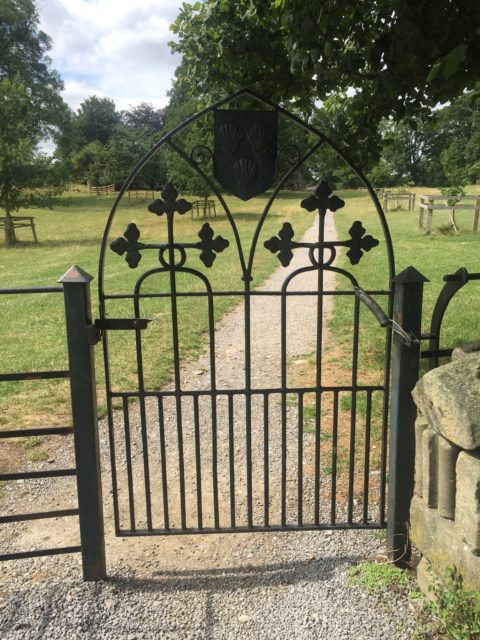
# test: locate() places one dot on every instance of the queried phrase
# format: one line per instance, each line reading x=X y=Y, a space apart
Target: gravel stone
x=259 y=586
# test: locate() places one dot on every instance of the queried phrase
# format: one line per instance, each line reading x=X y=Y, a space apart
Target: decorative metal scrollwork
x=283 y=244
x=208 y=246
x=322 y=200
x=201 y=155
x=129 y=244
x=169 y=204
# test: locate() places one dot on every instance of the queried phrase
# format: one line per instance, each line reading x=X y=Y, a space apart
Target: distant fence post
x=405 y=372
x=80 y=338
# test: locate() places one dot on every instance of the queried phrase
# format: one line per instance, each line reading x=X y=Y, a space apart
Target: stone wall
x=445 y=509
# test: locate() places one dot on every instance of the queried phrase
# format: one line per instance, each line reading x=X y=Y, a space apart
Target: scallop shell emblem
x=230 y=136
x=260 y=138
x=245 y=171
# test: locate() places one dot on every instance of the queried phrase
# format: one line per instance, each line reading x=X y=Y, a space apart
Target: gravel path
x=284 y=585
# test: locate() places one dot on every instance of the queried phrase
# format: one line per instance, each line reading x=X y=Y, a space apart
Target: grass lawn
x=435 y=255
x=32 y=336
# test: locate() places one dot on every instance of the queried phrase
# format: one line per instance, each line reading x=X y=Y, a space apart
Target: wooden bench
x=398 y=196
x=21 y=221
x=428 y=205
x=205 y=208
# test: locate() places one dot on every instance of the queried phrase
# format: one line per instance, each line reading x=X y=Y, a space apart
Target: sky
x=112 y=48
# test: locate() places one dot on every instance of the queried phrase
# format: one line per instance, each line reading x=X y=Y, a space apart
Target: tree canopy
x=24 y=56
x=31 y=108
x=399 y=58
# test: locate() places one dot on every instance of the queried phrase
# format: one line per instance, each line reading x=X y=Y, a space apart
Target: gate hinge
x=94 y=334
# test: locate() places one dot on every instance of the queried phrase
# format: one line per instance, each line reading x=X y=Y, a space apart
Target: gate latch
x=408 y=338
x=121 y=324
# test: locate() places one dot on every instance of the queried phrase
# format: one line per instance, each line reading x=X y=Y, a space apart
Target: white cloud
x=112 y=48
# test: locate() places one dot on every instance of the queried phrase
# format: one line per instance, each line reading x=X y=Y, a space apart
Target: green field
x=32 y=336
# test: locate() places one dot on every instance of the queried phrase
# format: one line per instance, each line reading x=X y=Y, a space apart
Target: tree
x=31 y=108
x=400 y=58
x=96 y=120
x=144 y=117
x=458 y=129
x=24 y=54
x=411 y=151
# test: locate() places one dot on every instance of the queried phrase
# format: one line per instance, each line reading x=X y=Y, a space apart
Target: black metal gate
x=224 y=448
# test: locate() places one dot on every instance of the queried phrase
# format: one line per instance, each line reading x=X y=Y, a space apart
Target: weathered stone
x=425 y=577
x=430 y=467
x=449 y=398
x=420 y=426
x=467 y=512
x=465 y=349
x=447 y=459
x=440 y=541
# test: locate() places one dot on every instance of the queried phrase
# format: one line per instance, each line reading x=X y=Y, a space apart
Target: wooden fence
x=398 y=197
x=102 y=189
x=428 y=204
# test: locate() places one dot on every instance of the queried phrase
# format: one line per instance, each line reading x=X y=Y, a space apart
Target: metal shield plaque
x=245 y=151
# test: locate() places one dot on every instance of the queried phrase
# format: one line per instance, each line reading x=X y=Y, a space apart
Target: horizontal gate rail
x=188 y=531
x=234 y=392
x=215 y=294
x=37 y=553
x=31 y=475
x=20 y=290
x=33 y=375
x=39 y=515
x=36 y=431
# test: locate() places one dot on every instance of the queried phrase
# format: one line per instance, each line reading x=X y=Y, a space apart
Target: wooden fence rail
x=398 y=196
x=428 y=206
x=102 y=189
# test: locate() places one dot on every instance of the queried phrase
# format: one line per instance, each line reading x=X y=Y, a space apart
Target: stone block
x=430 y=467
x=447 y=460
x=420 y=426
x=465 y=349
x=467 y=510
x=449 y=399
x=440 y=541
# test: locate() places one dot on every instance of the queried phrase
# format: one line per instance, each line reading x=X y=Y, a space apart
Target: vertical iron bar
x=406 y=363
x=231 y=456
x=198 y=462
x=248 y=402
x=111 y=434
x=163 y=462
x=213 y=384
x=143 y=420
x=333 y=505
x=266 y=465
x=176 y=367
x=385 y=417
x=300 y=460
x=78 y=315
x=318 y=375
x=283 y=363
x=353 y=409
x=366 y=470
x=128 y=455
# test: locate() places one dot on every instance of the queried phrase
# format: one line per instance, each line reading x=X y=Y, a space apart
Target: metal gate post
x=406 y=363
x=80 y=339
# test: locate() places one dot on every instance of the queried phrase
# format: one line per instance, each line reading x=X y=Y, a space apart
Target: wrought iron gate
x=212 y=453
